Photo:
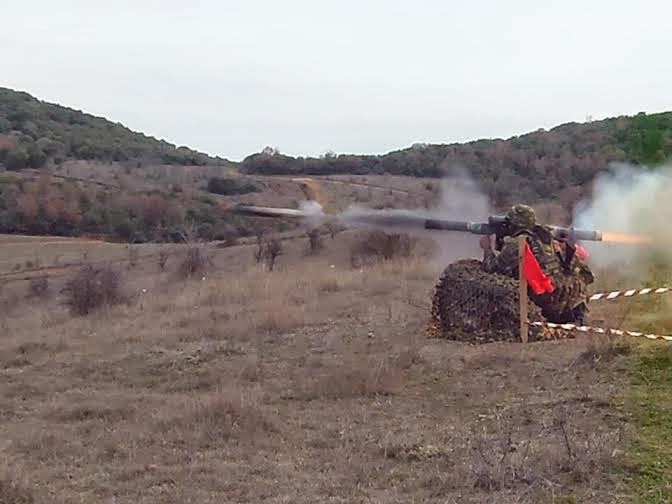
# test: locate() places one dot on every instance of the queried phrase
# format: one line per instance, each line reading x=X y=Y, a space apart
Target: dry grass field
x=311 y=383
x=28 y=253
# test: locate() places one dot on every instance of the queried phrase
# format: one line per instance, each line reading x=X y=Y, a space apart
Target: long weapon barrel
x=495 y=221
x=481 y=228
x=496 y=224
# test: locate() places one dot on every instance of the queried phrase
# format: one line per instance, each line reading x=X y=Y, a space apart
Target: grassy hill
x=33 y=132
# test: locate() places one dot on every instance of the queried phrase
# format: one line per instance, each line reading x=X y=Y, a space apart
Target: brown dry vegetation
x=305 y=384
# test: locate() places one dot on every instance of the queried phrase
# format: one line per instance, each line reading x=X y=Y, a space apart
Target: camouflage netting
x=473 y=306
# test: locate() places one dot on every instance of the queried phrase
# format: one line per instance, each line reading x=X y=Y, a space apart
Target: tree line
x=542 y=165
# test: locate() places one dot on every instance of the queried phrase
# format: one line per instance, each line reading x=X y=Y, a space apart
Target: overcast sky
x=308 y=76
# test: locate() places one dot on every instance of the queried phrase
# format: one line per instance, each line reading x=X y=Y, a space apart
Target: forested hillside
x=553 y=164
x=54 y=207
x=33 y=132
x=556 y=165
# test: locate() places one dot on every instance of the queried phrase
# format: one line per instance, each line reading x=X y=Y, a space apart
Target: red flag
x=581 y=252
x=536 y=278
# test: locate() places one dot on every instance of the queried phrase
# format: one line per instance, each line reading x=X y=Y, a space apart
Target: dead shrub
x=133 y=257
x=378 y=245
x=229 y=241
x=250 y=371
x=259 y=251
x=514 y=456
x=333 y=228
x=273 y=250
x=92 y=288
x=32 y=264
x=603 y=348
x=225 y=415
x=407 y=356
x=194 y=262
x=358 y=378
x=38 y=287
x=90 y=410
x=12 y=493
x=280 y=319
x=267 y=251
x=163 y=259
x=330 y=285
x=315 y=243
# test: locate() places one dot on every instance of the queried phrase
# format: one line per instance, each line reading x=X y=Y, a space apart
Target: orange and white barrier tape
x=600 y=330
x=628 y=293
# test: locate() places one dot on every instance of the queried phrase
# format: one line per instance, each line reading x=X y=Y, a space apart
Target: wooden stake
x=522 y=288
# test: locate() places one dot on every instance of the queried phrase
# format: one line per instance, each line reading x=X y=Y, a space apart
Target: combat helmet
x=521 y=216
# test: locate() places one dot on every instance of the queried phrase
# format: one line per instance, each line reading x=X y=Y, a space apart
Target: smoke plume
x=634 y=200
x=315 y=215
x=460 y=198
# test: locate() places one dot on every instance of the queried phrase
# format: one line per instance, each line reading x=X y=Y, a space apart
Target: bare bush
x=259 y=251
x=315 y=243
x=273 y=250
x=267 y=251
x=32 y=264
x=38 y=287
x=231 y=239
x=163 y=258
x=333 y=228
x=603 y=348
x=378 y=245
x=511 y=458
x=92 y=288
x=222 y=416
x=133 y=256
x=357 y=377
x=194 y=262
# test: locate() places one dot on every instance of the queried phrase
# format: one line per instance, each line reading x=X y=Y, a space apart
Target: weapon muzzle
x=563 y=233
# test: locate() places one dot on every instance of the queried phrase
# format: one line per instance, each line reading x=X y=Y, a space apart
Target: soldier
x=581 y=276
x=568 y=302
x=520 y=219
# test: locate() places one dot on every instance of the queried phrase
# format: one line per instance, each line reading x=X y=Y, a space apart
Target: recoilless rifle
x=497 y=225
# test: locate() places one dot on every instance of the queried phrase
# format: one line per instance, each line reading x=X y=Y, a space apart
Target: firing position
x=557 y=258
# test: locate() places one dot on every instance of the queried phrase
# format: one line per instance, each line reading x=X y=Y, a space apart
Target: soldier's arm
x=586 y=273
x=489 y=261
x=508 y=258
x=505 y=262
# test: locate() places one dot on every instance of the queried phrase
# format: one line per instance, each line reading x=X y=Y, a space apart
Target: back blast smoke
x=459 y=198
x=634 y=207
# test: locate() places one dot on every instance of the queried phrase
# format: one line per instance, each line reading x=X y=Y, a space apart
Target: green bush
x=17 y=159
x=230 y=186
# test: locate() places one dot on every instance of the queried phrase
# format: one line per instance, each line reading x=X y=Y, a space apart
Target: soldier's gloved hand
x=485 y=243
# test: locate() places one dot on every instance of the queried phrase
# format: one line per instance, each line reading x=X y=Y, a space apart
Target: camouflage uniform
x=568 y=302
x=577 y=276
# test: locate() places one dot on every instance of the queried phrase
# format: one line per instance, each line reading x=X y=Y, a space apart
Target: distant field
x=24 y=253
x=24 y=239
